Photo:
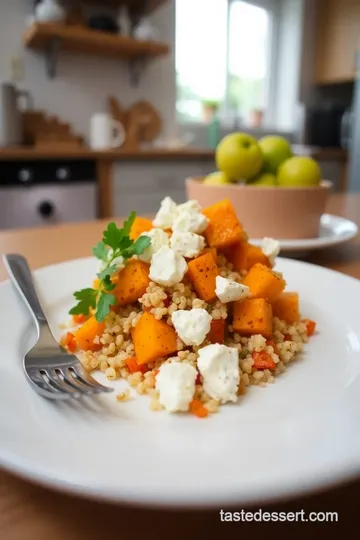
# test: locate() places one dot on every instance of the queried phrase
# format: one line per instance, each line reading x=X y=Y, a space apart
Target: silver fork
x=50 y=370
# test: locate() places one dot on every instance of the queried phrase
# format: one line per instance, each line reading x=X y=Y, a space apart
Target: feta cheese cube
x=228 y=290
x=167 y=267
x=219 y=366
x=166 y=214
x=192 y=326
x=270 y=248
x=188 y=244
x=190 y=221
x=175 y=383
x=158 y=239
x=188 y=206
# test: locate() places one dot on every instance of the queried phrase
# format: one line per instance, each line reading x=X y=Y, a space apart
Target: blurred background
x=108 y=106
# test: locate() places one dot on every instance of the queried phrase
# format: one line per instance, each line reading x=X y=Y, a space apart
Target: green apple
x=238 y=156
x=264 y=179
x=300 y=171
x=217 y=178
x=275 y=151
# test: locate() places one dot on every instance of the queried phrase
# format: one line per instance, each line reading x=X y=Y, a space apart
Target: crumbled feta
x=192 y=326
x=219 y=366
x=188 y=206
x=228 y=290
x=175 y=383
x=118 y=262
x=270 y=248
x=188 y=244
x=158 y=239
x=190 y=221
x=167 y=267
x=165 y=217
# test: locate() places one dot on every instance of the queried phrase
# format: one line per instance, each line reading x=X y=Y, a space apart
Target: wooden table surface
x=28 y=512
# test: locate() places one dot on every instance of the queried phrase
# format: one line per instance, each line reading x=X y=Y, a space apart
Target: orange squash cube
x=133 y=280
x=237 y=255
x=202 y=272
x=212 y=250
x=264 y=282
x=152 y=339
x=86 y=334
x=286 y=307
x=253 y=316
x=255 y=255
x=140 y=226
x=224 y=228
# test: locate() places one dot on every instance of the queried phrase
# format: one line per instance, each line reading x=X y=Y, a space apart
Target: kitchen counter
x=106 y=159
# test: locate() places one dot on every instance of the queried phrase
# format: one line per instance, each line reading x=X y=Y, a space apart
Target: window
x=223 y=57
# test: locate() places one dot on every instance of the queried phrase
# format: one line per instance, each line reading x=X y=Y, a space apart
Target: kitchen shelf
x=133 y=4
x=51 y=38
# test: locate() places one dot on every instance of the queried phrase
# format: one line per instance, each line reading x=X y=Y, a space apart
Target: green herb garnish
x=115 y=243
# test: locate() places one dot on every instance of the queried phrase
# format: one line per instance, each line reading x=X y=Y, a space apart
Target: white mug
x=105 y=132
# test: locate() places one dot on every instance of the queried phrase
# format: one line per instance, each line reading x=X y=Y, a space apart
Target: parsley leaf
x=103 y=305
x=113 y=236
x=100 y=251
x=129 y=223
x=87 y=300
x=108 y=285
x=116 y=243
x=138 y=247
x=108 y=271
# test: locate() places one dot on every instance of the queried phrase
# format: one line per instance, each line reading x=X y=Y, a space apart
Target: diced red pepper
x=287 y=337
x=198 y=379
x=217 y=331
x=134 y=367
x=263 y=360
x=272 y=344
x=70 y=342
x=197 y=408
x=166 y=302
x=310 y=326
x=80 y=319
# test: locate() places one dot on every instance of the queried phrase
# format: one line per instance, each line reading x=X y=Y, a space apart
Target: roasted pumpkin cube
x=253 y=316
x=202 y=272
x=87 y=332
x=237 y=255
x=264 y=282
x=286 y=307
x=152 y=339
x=224 y=228
x=133 y=280
x=140 y=226
x=255 y=255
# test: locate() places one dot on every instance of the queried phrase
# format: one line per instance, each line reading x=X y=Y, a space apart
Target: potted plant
x=210 y=108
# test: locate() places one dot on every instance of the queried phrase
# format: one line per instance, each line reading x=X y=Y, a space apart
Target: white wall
x=83 y=82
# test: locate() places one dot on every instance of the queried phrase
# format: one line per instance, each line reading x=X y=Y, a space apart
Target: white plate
x=333 y=230
x=297 y=435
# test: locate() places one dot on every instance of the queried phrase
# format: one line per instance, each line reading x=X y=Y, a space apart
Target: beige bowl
x=283 y=213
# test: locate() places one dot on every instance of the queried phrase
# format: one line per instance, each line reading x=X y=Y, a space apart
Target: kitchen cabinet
x=337 y=40
x=142 y=186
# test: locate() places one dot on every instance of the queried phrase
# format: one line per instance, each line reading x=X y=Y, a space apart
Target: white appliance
x=43 y=193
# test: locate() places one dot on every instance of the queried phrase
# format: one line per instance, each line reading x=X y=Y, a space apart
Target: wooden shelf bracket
x=51 y=56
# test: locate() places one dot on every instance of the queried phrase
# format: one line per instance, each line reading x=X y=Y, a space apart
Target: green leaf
x=129 y=223
x=138 y=247
x=87 y=300
x=107 y=284
x=103 y=306
x=101 y=251
x=113 y=236
x=107 y=272
x=84 y=294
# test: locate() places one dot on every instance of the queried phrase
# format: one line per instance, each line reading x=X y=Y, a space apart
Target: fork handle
x=20 y=274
